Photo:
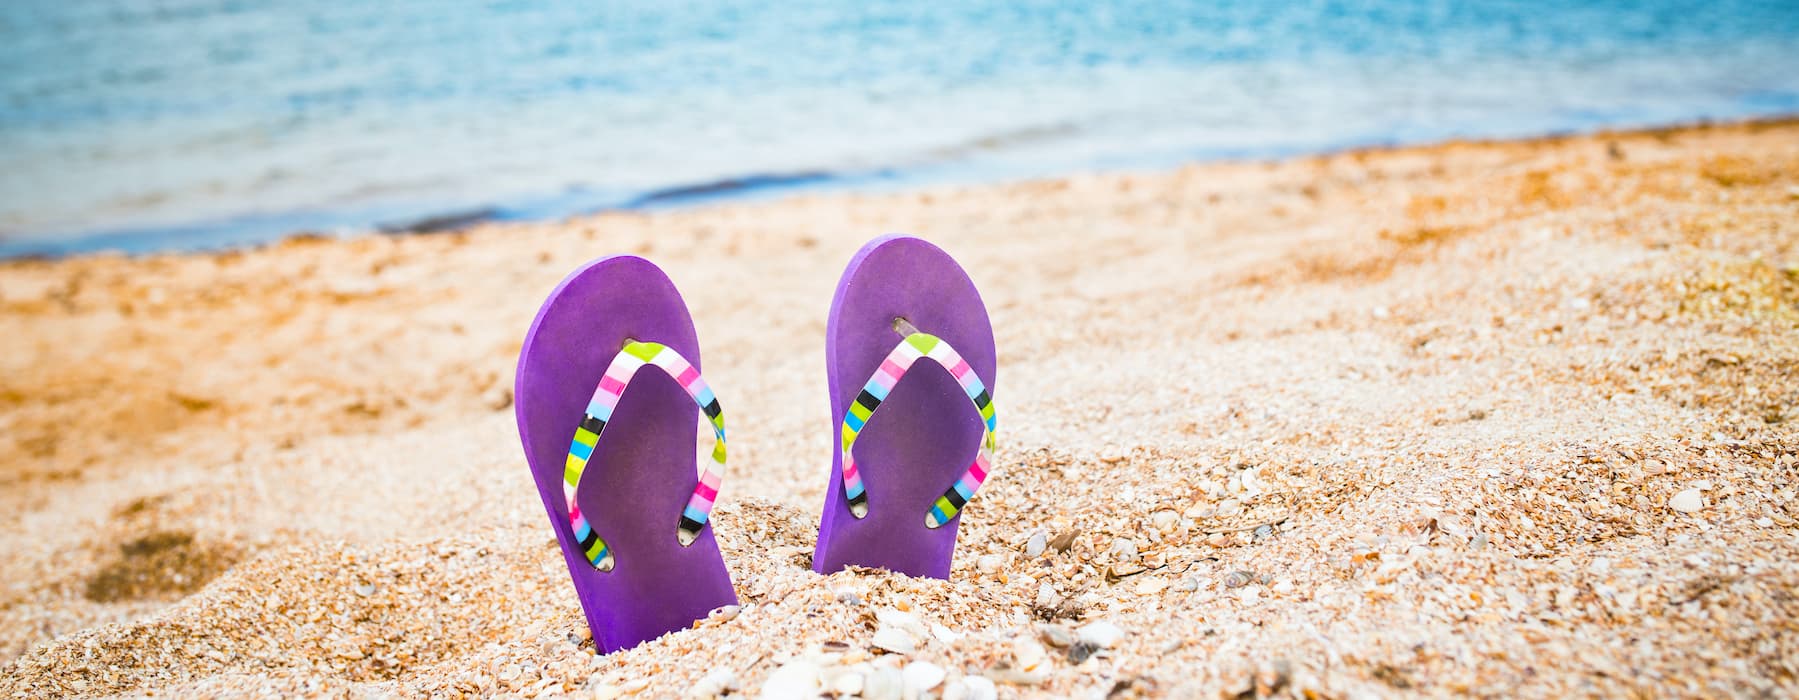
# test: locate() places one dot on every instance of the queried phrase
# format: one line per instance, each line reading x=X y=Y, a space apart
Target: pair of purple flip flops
x=617 y=468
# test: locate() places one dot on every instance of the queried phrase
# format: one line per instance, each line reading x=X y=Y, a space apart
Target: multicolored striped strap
x=902 y=358
x=618 y=375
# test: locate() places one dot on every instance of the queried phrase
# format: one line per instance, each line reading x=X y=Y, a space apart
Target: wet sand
x=1487 y=418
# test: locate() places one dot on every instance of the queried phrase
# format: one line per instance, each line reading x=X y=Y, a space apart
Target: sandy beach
x=1499 y=419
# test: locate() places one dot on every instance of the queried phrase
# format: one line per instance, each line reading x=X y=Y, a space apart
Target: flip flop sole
x=925 y=433
x=643 y=470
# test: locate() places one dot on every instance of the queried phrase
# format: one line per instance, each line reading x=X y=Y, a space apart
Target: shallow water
x=195 y=123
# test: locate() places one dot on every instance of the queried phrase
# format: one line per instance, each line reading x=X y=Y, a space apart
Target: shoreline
x=1428 y=420
x=235 y=233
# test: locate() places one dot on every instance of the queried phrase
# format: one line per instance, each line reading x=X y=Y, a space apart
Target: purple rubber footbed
x=925 y=434
x=642 y=471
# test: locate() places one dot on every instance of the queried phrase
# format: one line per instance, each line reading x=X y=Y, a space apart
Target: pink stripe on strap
x=688 y=376
x=611 y=386
x=891 y=369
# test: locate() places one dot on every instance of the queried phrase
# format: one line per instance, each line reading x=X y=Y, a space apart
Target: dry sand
x=1501 y=419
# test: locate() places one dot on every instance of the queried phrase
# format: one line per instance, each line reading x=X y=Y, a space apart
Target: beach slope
x=1499 y=418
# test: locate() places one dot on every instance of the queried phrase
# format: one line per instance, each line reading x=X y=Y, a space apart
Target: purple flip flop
x=909 y=453
x=616 y=468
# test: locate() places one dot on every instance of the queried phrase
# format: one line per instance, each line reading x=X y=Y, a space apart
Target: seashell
x=1125 y=549
x=795 y=679
x=920 y=676
x=1027 y=654
x=1252 y=482
x=1688 y=501
x=1238 y=579
x=979 y=688
x=1100 y=634
x=1056 y=635
x=895 y=640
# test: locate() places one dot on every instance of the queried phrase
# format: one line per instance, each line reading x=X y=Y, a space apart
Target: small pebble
x=1046 y=595
x=1035 y=546
x=849 y=598
x=1064 y=541
x=989 y=563
x=1187 y=585
x=1238 y=579
x=365 y=589
x=725 y=614
x=1164 y=520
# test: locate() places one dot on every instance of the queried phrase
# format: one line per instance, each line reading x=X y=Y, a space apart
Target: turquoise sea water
x=148 y=125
